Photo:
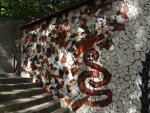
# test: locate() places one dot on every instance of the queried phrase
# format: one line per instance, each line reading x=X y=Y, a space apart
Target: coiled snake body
x=95 y=74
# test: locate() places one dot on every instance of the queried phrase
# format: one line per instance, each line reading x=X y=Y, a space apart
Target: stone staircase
x=20 y=95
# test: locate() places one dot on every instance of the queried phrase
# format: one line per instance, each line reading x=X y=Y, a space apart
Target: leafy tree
x=31 y=9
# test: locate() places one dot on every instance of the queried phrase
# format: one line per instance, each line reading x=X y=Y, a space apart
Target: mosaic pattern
x=90 y=58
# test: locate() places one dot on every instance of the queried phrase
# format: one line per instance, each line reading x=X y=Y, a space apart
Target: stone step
x=10 y=75
x=15 y=80
x=9 y=87
x=47 y=107
x=61 y=110
x=21 y=93
x=23 y=103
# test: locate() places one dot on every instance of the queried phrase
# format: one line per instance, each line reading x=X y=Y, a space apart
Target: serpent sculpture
x=95 y=74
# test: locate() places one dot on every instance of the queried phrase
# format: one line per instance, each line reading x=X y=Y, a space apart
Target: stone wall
x=10 y=35
x=95 y=58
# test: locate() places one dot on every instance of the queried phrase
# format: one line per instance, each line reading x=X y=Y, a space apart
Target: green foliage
x=31 y=9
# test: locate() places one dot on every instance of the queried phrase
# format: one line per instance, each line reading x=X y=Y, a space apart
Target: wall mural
x=90 y=57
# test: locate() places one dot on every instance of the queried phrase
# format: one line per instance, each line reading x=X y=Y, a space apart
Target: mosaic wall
x=94 y=59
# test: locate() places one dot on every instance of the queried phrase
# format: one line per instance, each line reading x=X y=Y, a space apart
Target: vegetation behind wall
x=32 y=9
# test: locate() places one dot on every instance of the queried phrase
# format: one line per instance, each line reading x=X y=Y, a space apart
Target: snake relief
x=93 y=54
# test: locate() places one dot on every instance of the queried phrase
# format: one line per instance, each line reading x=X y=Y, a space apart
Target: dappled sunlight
x=6 y=60
x=132 y=110
x=139 y=43
x=92 y=61
x=3 y=52
x=133 y=11
x=135 y=95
